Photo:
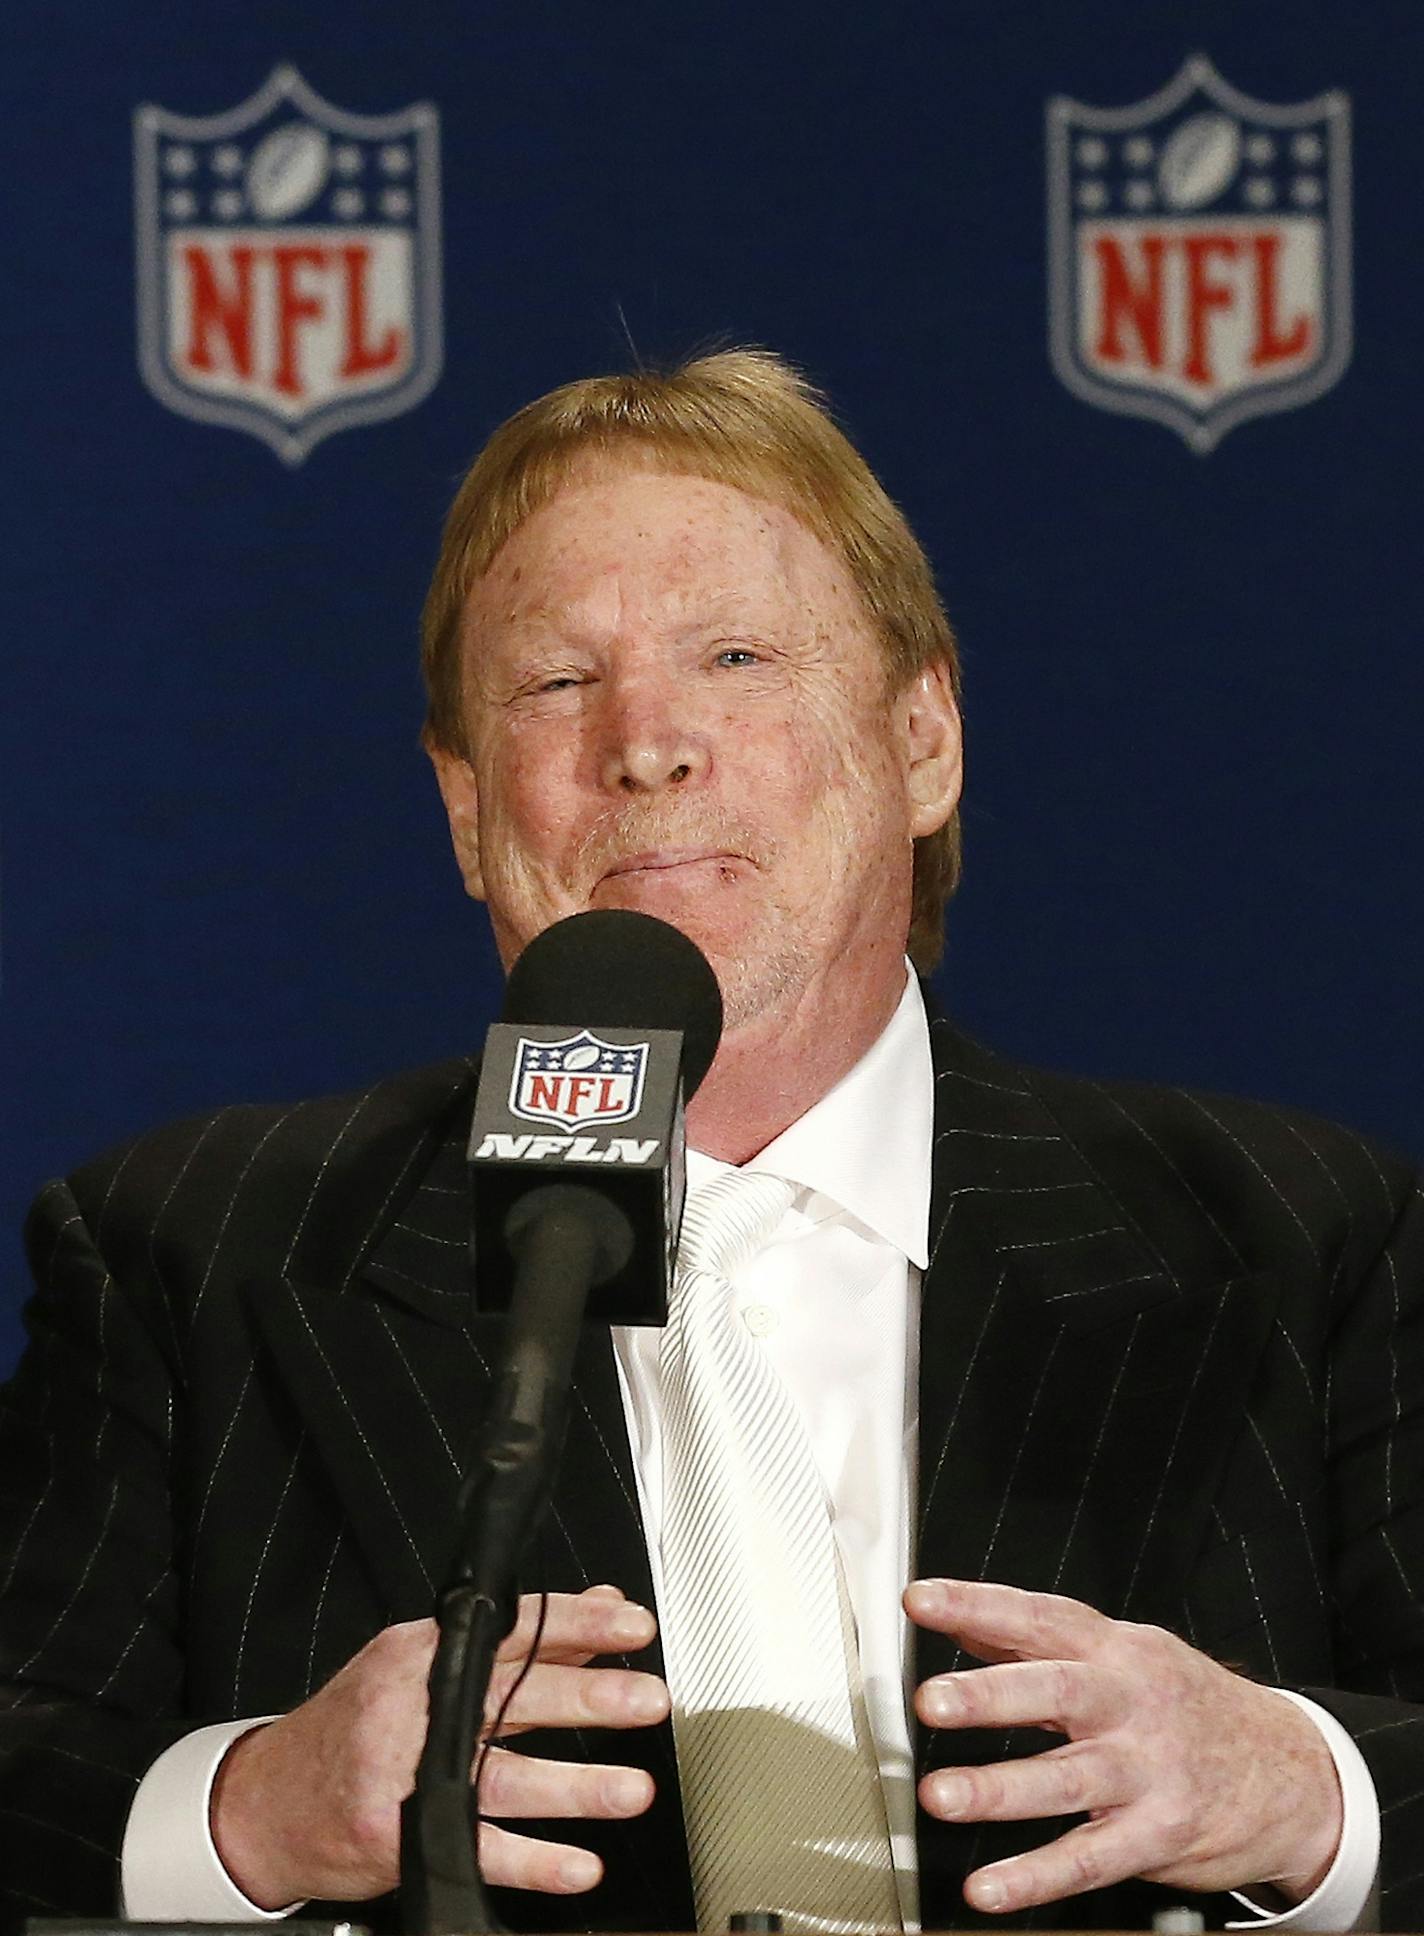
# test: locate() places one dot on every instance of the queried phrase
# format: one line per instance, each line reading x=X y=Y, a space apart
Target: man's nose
x=650 y=738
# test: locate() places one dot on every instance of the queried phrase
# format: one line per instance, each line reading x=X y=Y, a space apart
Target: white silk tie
x=780 y=1788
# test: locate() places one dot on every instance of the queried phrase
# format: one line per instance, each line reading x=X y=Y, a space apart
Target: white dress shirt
x=833 y=1299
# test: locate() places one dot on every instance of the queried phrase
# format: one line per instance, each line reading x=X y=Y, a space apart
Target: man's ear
x=934 y=743
x=456 y=779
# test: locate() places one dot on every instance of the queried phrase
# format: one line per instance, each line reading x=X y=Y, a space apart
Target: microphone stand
x=565 y=1239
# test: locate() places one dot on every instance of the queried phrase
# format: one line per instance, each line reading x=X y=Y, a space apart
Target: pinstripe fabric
x=1172 y=1362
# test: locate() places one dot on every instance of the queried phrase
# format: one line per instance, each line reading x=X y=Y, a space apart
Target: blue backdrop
x=1195 y=701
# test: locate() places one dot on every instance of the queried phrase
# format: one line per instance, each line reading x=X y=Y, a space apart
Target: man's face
x=675 y=703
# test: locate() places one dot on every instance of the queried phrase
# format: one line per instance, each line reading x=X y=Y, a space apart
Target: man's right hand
x=309 y=1805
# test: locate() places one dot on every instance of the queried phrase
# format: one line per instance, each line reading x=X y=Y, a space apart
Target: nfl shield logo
x=288 y=263
x=1199 y=252
x=579 y=1082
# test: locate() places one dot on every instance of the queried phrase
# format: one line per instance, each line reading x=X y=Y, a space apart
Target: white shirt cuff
x=1348 y=1898
x=170 y=1869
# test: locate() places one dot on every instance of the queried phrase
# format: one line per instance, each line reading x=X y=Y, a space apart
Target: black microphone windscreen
x=616 y=968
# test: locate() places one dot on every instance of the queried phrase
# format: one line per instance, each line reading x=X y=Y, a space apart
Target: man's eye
x=738 y=655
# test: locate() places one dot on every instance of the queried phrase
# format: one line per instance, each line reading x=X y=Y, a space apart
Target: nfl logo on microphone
x=288 y=263
x=579 y=1081
x=1199 y=252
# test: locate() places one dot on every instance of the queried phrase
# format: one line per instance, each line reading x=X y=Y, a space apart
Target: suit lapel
x=390 y=1373
x=1071 y=1391
x=1071 y=1383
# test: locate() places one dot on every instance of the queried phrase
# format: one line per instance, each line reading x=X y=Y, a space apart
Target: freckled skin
x=674 y=702
x=660 y=669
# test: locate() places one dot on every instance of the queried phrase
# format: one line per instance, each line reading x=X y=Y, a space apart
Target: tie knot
x=727 y=1221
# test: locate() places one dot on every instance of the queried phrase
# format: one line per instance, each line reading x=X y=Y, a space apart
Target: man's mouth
x=667 y=860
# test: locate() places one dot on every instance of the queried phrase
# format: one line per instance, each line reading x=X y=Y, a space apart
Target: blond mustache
x=640 y=830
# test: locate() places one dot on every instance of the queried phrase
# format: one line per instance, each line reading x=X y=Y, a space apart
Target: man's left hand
x=1190 y=1775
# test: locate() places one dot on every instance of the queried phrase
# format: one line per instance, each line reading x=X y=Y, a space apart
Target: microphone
x=611 y=1020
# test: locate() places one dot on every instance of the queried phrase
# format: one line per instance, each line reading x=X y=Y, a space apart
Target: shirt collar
x=865 y=1146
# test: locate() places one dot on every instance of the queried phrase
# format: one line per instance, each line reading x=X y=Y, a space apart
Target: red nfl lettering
x=1238 y=275
x=544 y=1093
x=582 y=1098
x=304 y=284
x=362 y=355
x=1199 y=252
x=1275 y=344
x=293 y=306
x=1128 y=301
x=220 y=309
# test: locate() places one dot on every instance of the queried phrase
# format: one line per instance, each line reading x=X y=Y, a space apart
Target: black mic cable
x=612 y=1018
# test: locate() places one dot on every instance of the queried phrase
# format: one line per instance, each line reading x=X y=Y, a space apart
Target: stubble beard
x=754 y=987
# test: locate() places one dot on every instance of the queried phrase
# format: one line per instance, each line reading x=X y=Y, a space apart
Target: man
x=685 y=656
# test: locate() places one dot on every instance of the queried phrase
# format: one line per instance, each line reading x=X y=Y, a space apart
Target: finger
x=556 y=1614
x=1092 y=1856
x=578 y=1626
x=520 y=1862
x=1072 y=1697
x=514 y=1785
x=998 y=1622
x=1076 y=1780
x=556 y=1696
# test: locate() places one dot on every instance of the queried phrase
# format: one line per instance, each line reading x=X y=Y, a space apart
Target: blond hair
x=742 y=417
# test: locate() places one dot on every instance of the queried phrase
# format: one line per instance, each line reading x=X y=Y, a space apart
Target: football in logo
x=1199 y=252
x=288 y=263
x=288 y=170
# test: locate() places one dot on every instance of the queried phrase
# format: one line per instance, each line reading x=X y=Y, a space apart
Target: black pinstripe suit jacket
x=1173 y=1364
